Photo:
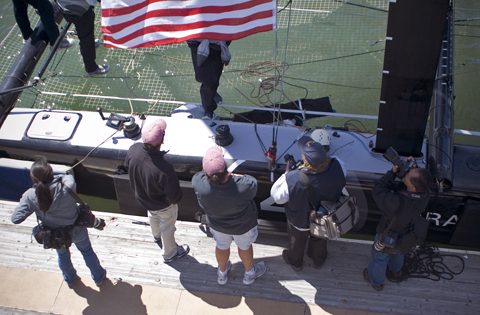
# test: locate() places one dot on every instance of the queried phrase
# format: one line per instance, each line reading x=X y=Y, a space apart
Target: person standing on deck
x=80 y=13
x=55 y=207
x=327 y=178
x=231 y=214
x=208 y=58
x=45 y=10
x=156 y=188
x=405 y=201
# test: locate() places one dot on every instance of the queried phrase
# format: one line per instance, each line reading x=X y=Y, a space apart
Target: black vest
x=327 y=186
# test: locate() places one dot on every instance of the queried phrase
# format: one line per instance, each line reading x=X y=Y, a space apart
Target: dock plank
x=126 y=250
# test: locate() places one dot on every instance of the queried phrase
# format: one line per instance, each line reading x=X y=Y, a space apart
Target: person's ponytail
x=41 y=174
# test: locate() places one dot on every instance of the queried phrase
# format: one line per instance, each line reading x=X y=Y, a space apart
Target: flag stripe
x=162 y=22
x=138 y=43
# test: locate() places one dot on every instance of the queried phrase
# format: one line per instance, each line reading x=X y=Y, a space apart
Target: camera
x=99 y=224
x=388 y=239
x=293 y=164
x=404 y=166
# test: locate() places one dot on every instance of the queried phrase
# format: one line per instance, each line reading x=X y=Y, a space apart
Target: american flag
x=137 y=23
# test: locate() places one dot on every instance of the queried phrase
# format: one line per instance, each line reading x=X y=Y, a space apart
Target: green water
x=334 y=49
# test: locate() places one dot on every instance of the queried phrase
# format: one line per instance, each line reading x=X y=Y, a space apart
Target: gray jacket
x=62 y=212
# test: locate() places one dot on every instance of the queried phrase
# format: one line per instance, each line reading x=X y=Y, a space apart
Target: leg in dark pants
x=317 y=250
x=86 y=34
x=297 y=241
x=208 y=74
x=45 y=10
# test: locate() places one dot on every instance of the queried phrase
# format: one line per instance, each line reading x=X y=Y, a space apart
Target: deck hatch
x=53 y=125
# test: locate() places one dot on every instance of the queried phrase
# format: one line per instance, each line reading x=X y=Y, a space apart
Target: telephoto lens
x=99 y=224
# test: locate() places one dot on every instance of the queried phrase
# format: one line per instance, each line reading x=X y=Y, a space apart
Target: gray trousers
x=162 y=223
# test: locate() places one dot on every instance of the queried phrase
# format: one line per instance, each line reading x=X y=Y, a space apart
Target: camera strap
x=309 y=188
x=74 y=195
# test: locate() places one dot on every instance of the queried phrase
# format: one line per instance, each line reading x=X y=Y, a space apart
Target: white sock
x=250 y=273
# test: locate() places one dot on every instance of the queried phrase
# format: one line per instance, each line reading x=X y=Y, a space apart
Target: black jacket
x=391 y=196
x=153 y=179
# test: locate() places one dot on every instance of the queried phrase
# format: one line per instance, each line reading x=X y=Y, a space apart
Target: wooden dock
x=126 y=250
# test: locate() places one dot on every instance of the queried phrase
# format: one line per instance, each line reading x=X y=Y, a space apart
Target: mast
x=440 y=149
x=413 y=41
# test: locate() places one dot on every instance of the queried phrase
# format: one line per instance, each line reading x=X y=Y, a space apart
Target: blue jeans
x=379 y=261
x=91 y=260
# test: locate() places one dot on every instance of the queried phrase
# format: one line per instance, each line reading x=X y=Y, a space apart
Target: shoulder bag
x=341 y=215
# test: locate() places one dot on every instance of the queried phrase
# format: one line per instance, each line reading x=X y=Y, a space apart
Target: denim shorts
x=243 y=241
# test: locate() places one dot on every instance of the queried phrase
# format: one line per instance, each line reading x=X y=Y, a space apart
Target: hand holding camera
x=291 y=163
x=400 y=167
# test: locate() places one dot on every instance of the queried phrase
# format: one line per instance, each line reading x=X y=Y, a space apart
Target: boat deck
x=140 y=283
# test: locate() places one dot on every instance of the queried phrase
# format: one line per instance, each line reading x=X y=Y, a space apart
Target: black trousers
x=45 y=9
x=317 y=247
x=86 y=34
x=208 y=74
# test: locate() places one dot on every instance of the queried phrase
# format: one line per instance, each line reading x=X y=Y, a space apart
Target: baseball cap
x=213 y=161
x=313 y=151
x=154 y=132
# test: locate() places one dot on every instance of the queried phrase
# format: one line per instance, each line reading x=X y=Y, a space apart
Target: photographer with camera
x=401 y=204
x=56 y=209
x=326 y=176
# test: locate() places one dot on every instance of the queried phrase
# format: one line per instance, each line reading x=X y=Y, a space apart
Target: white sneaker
x=97 y=43
x=222 y=277
x=260 y=269
x=100 y=70
x=66 y=43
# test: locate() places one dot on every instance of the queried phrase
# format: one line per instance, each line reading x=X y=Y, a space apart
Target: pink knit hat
x=213 y=161
x=154 y=132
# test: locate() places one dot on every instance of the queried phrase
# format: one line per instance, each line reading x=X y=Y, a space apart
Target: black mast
x=414 y=38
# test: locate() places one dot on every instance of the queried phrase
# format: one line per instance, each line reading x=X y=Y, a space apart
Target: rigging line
x=283 y=68
x=332 y=84
x=236 y=88
x=294 y=141
x=132 y=63
x=473 y=36
x=446 y=154
x=179 y=70
x=91 y=151
x=11 y=30
x=339 y=57
x=362 y=6
x=262 y=146
x=274 y=80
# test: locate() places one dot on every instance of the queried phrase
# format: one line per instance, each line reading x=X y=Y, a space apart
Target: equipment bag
x=342 y=216
x=53 y=238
